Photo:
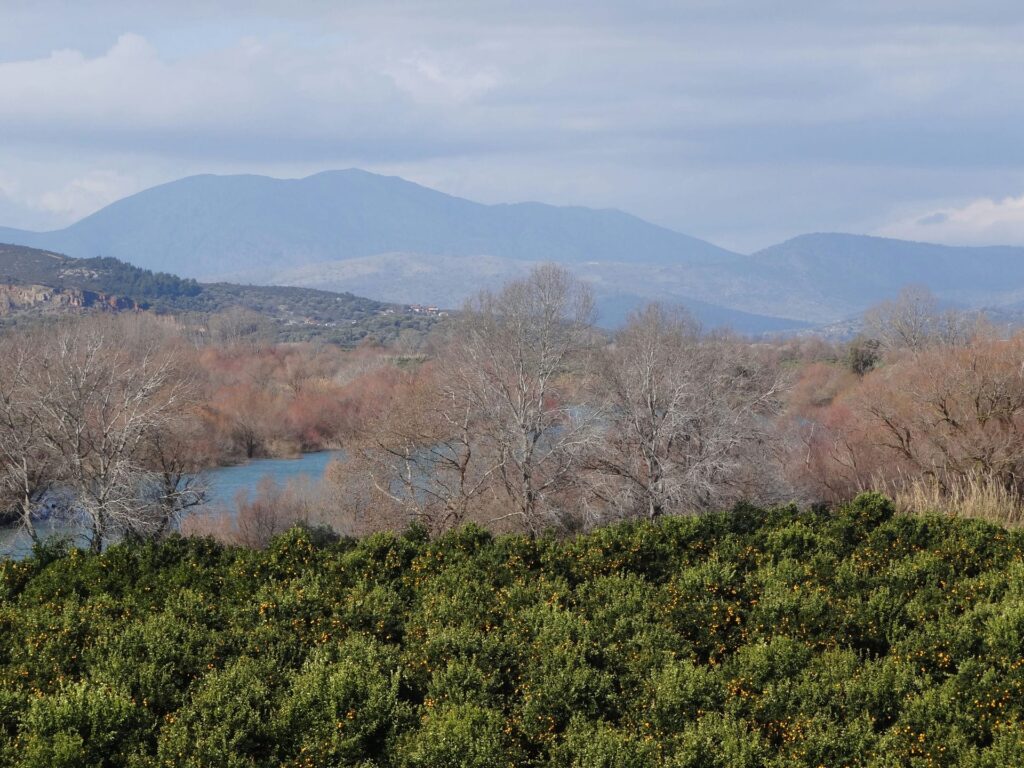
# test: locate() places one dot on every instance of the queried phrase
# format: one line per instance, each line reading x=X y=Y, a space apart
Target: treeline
x=528 y=419
x=779 y=638
x=110 y=420
x=123 y=279
x=517 y=414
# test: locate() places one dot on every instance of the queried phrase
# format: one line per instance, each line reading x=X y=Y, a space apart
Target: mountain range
x=397 y=241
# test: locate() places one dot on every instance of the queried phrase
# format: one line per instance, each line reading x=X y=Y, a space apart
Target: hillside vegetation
x=102 y=275
x=756 y=638
x=288 y=313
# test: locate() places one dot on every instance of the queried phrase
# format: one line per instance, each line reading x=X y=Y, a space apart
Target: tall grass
x=974 y=495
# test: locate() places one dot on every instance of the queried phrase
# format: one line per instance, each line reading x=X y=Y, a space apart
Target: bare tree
x=92 y=411
x=102 y=393
x=274 y=509
x=28 y=468
x=171 y=481
x=944 y=417
x=505 y=372
x=423 y=456
x=259 y=520
x=952 y=413
x=239 y=325
x=915 y=321
x=251 y=415
x=688 y=417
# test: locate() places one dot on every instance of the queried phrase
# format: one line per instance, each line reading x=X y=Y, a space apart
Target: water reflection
x=223 y=486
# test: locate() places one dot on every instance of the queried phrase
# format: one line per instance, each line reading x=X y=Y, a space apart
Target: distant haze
x=741 y=122
x=390 y=239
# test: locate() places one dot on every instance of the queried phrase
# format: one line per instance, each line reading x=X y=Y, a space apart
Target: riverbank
x=224 y=485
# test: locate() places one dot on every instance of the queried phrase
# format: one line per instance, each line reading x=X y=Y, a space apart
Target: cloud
x=712 y=117
x=427 y=80
x=53 y=202
x=84 y=195
x=9 y=188
x=411 y=84
x=979 y=222
x=251 y=99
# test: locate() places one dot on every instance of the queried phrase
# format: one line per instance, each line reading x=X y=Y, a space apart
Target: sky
x=741 y=122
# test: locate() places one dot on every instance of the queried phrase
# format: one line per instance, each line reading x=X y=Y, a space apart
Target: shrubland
x=761 y=637
x=937 y=418
x=518 y=415
x=113 y=418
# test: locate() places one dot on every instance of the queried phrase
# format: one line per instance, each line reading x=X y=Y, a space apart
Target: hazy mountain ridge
x=238 y=222
x=401 y=242
x=412 y=278
x=859 y=269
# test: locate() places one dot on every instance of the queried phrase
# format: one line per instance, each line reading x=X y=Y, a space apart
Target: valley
x=511 y=385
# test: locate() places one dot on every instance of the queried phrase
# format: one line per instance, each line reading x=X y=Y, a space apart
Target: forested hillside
x=19 y=264
x=851 y=637
x=288 y=314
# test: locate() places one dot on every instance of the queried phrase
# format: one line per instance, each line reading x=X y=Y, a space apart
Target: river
x=223 y=486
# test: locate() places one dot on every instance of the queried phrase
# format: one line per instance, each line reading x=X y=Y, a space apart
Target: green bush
x=81 y=724
x=343 y=705
x=227 y=720
x=781 y=638
x=462 y=736
x=598 y=745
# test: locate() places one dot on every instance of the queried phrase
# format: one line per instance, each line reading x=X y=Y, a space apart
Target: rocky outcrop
x=16 y=298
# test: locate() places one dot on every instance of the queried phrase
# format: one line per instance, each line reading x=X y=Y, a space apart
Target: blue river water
x=223 y=485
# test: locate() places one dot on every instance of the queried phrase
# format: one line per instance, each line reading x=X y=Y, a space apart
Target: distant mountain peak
x=204 y=225
x=395 y=240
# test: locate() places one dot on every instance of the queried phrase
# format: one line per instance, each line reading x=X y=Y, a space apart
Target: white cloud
x=428 y=80
x=84 y=195
x=9 y=187
x=715 y=118
x=979 y=222
x=131 y=95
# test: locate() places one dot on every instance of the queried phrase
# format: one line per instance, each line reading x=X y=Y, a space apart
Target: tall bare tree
x=103 y=392
x=688 y=417
x=28 y=468
x=422 y=455
x=171 y=479
x=506 y=371
x=915 y=321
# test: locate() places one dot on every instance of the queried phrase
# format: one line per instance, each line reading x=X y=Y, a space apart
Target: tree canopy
x=757 y=638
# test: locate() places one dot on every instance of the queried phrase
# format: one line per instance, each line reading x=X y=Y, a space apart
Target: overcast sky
x=740 y=122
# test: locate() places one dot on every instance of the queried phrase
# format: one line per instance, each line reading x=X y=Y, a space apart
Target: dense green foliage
x=121 y=279
x=758 y=638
